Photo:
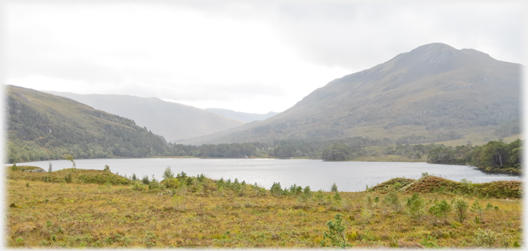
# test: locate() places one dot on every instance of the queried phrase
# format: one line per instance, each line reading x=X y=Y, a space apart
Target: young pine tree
x=335 y=236
x=167 y=174
x=415 y=205
x=334 y=188
x=477 y=208
x=460 y=206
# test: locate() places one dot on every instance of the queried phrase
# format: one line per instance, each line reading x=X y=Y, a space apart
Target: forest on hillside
x=495 y=156
x=43 y=126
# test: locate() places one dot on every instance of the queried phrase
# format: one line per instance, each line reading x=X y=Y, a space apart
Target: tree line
x=493 y=157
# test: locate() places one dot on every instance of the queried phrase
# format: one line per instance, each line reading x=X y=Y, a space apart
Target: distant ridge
x=171 y=120
x=241 y=116
x=44 y=126
x=430 y=94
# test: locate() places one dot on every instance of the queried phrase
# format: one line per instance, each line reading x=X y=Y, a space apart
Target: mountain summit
x=434 y=93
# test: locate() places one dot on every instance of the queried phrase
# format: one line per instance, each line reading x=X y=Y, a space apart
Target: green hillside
x=44 y=126
x=433 y=93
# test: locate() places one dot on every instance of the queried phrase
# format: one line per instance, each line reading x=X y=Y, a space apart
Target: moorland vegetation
x=75 y=208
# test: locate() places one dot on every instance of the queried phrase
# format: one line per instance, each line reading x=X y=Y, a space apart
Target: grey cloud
x=222 y=92
x=198 y=92
x=348 y=35
x=73 y=69
x=358 y=36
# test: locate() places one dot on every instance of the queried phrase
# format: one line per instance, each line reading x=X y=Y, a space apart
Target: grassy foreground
x=100 y=209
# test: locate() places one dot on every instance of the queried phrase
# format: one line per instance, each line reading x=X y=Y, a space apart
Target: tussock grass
x=434 y=184
x=202 y=214
x=388 y=185
x=77 y=175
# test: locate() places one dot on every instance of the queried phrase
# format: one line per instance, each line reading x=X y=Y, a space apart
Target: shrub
x=429 y=242
x=296 y=190
x=366 y=214
x=444 y=208
x=319 y=196
x=236 y=185
x=200 y=178
x=171 y=183
x=333 y=189
x=179 y=202
x=393 y=201
x=139 y=187
x=68 y=178
x=337 y=197
x=276 y=189
x=415 y=205
x=468 y=186
x=146 y=180
x=489 y=206
x=150 y=239
x=368 y=200
x=70 y=158
x=485 y=238
x=167 y=174
x=433 y=210
x=335 y=236
x=307 y=192
x=260 y=191
x=460 y=206
x=107 y=168
x=476 y=208
x=189 y=181
x=182 y=175
x=154 y=184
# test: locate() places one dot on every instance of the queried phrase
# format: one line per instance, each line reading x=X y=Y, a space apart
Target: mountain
x=430 y=94
x=44 y=126
x=170 y=120
x=241 y=116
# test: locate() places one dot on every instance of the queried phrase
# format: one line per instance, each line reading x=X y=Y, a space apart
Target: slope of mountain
x=170 y=120
x=44 y=126
x=430 y=94
x=241 y=116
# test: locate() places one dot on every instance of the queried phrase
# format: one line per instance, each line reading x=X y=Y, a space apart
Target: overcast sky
x=253 y=57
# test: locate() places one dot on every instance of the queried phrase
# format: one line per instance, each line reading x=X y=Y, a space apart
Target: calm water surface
x=318 y=174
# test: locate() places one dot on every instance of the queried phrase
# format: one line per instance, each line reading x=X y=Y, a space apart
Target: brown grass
x=75 y=215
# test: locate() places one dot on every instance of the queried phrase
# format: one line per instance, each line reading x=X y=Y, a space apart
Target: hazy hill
x=432 y=93
x=241 y=116
x=44 y=126
x=170 y=120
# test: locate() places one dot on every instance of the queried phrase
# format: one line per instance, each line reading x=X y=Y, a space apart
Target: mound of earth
x=431 y=183
x=391 y=184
